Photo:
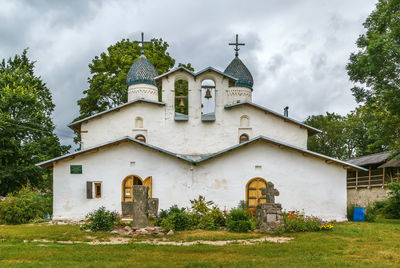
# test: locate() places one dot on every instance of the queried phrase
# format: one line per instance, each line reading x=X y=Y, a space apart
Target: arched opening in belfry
x=208 y=100
x=181 y=100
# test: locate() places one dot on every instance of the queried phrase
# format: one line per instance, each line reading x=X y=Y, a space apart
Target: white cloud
x=296 y=50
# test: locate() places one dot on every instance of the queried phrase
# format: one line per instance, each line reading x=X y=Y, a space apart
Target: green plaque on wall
x=76 y=169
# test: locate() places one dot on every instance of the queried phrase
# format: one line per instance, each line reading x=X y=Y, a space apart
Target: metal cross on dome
x=143 y=42
x=237 y=44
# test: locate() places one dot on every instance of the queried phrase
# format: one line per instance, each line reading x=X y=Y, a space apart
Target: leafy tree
x=26 y=128
x=375 y=67
x=366 y=130
x=332 y=141
x=107 y=84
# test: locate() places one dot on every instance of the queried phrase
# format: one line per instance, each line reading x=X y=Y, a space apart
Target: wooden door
x=127 y=187
x=254 y=194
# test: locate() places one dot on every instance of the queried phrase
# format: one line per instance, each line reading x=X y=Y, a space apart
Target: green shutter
x=89 y=190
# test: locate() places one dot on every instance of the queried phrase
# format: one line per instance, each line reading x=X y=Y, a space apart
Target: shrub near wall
x=101 y=220
x=24 y=206
x=241 y=220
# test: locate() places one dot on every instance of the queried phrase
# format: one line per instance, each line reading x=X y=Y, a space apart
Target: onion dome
x=238 y=70
x=141 y=72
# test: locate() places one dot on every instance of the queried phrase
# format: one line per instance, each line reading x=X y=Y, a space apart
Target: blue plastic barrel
x=359 y=214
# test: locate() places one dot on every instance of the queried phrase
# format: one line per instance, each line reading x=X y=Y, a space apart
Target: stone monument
x=141 y=206
x=269 y=214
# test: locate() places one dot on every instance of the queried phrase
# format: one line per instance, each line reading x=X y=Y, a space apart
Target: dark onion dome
x=237 y=69
x=141 y=72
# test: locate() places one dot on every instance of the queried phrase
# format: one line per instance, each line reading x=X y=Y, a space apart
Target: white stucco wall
x=304 y=182
x=193 y=136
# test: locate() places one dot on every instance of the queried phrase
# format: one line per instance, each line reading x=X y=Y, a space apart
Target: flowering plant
x=240 y=220
x=297 y=221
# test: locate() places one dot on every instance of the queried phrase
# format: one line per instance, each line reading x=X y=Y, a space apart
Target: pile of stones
x=134 y=231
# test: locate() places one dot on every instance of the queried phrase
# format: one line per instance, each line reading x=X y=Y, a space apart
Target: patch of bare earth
x=126 y=240
x=220 y=243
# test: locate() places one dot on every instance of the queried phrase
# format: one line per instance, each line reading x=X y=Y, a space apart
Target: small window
x=139 y=122
x=97 y=190
x=244 y=121
x=141 y=138
x=243 y=138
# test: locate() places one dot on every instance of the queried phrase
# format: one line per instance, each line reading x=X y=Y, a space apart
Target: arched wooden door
x=254 y=192
x=127 y=184
x=127 y=192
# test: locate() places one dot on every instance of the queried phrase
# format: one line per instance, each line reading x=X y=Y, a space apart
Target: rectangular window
x=97 y=190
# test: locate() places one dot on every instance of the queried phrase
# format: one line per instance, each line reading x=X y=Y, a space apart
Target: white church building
x=204 y=136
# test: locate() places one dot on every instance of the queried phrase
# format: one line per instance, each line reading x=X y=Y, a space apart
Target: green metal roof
x=237 y=69
x=141 y=72
x=198 y=159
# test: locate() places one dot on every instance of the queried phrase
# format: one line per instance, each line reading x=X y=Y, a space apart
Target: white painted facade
x=304 y=179
x=304 y=182
x=194 y=136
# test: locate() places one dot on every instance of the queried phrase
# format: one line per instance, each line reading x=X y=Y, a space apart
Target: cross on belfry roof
x=237 y=44
x=143 y=42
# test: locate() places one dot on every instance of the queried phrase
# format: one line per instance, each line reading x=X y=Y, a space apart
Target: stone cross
x=270 y=192
x=141 y=206
x=143 y=42
x=237 y=44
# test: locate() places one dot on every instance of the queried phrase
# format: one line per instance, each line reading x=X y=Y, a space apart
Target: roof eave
x=288 y=146
x=311 y=130
x=49 y=163
x=76 y=125
x=209 y=68
x=181 y=68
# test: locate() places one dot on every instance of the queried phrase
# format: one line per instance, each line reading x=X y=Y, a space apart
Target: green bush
x=296 y=221
x=240 y=220
x=24 y=206
x=350 y=212
x=204 y=216
x=212 y=220
x=101 y=220
x=392 y=204
x=200 y=208
x=371 y=212
x=380 y=206
x=175 y=218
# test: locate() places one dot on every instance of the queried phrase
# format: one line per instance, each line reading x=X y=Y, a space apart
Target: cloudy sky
x=296 y=50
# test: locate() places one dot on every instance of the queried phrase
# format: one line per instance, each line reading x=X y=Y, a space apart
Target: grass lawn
x=348 y=245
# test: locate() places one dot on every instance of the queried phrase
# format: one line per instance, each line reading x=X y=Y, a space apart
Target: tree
x=366 y=130
x=332 y=141
x=26 y=128
x=375 y=67
x=107 y=84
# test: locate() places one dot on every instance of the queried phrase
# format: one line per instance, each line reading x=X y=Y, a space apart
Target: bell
x=208 y=94
x=181 y=103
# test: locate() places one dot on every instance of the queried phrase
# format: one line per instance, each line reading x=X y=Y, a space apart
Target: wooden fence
x=374 y=177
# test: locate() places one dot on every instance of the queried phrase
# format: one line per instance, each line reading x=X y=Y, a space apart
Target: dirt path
x=126 y=240
x=221 y=242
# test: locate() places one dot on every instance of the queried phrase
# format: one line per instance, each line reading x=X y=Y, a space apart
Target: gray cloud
x=296 y=50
